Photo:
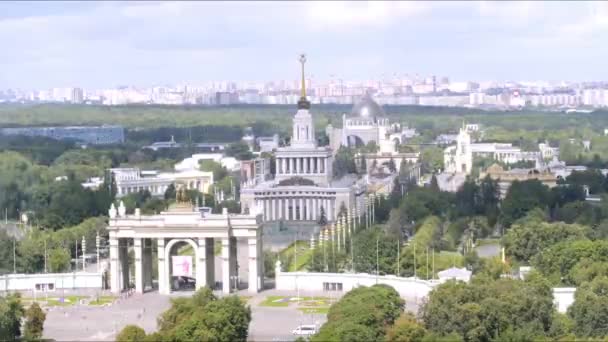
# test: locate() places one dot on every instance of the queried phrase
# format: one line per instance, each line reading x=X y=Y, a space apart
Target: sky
x=107 y=44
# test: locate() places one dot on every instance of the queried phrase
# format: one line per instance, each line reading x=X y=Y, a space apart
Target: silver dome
x=367 y=108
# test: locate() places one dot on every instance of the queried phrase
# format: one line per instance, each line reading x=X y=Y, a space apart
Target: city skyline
x=102 y=44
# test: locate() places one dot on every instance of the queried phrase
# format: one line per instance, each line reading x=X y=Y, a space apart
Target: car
x=305 y=330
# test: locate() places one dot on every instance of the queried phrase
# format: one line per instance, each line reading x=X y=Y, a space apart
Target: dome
x=367 y=108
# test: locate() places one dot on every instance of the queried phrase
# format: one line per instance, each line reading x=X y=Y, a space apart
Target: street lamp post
x=97 y=245
x=84 y=248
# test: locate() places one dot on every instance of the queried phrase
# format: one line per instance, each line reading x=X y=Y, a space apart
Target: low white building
x=563 y=297
x=131 y=180
x=343 y=282
x=50 y=282
x=193 y=162
x=268 y=144
x=454 y=273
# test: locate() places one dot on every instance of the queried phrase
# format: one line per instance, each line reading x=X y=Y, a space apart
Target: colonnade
x=301 y=165
x=156 y=188
x=291 y=208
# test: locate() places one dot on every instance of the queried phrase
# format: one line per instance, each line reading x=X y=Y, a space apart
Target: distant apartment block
x=94 y=135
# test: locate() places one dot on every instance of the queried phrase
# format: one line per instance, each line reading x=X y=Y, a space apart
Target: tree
x=239 y=150
x=406 y=329
x=58 y=260
x=484 y=309
x=204 y=317
x=392 y=167
x=567 y=262
x=590 y=309
x=363 y=164
x=219 y=172
x=322 y=218
x=344 y=162
x=131 y=333
x=362 y=314
x=432 y=159
x=34 y=322
x=434 y=185
x=170 y=192
x=527 y=239
x=11 y=312
x=523 y=197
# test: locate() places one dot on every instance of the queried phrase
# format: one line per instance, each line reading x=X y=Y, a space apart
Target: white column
x=265 y=205
x=290 y=213
x=284 y=162
x=292 y=165
x=280 y=209
x=301 y=209
x=297 y=165
x=324 y=165
x=114 y=262
x=327 y=210
x=308 y=209
x=226 y=265
x=201 y=263
x=163 y=277
x=278 y=166
x=275 y=208
x=253 y=265
x=314 y=209
x=139 y=274
x=318 y=162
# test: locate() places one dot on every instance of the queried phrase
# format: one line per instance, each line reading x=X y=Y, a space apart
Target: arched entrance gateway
x=174 y=229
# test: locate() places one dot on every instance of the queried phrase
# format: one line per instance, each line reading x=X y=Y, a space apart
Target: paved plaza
x=90 y=323
x=94 y=323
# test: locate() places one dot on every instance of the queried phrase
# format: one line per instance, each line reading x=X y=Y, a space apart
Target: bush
x=34 y=322
x=131 y=333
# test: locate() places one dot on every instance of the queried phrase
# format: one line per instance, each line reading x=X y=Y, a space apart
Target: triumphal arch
x=182 y=224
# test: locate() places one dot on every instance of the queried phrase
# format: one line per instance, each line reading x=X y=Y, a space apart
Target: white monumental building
x=303 y=183
x=131 y=180
x=459 y=158
x=171 y=229
x=367 y=122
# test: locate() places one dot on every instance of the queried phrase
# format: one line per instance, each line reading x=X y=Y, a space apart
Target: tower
x=464 y=155
x=303 y=127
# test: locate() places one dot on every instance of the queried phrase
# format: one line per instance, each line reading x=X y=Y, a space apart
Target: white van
x=305 y=330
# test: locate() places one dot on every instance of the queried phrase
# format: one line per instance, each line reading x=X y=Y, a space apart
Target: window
x=332 y=286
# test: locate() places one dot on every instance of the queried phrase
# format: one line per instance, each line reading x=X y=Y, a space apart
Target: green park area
x=555 y=230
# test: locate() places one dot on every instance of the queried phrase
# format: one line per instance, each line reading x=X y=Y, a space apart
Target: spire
x=303 y=102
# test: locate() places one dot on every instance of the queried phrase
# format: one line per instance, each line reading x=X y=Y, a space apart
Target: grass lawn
x=273 y=301
x=68 y=300
x=305 y=304
x=304 y=254
x=320 y=310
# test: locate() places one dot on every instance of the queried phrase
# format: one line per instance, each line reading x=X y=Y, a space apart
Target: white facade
x=459 y=158
x=193 y=163
x=344 y=282
x=595 y=97
x=181 y=224
x=50 y=282
x=303 y=186
x=131 y=180
x=563 y=297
